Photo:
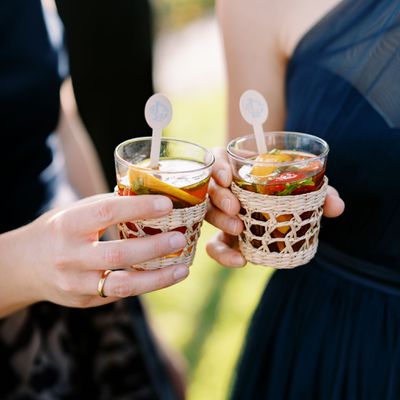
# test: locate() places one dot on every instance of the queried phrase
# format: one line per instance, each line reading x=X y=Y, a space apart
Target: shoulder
x=300 y=16
x=250 y=18
x=256 y=9
x=276 y=23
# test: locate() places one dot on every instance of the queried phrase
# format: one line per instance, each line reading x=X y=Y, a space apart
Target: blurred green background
x=205 y=317
x=173 y=14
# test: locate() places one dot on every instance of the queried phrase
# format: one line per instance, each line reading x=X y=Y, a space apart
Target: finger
x=127 y=252
x=224 y=199
x=334 y=205
x=94 y=198
x=87 y=200
x=220 y=249
x=226 y=223
x=332 y=190
x=95 y=216
x=122 y=284
x=221 y=171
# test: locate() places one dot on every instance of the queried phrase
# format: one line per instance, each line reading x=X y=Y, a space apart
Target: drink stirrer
x=158 y=114
x=254 y=110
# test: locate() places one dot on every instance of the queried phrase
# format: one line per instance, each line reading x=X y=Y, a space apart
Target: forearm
x=17 y=288
x=83 y=166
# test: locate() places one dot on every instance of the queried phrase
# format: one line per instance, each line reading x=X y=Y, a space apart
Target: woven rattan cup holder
x=280 y=231
x=186 y=220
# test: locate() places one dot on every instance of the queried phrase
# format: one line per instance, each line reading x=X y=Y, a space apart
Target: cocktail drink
x=183 y=175
x=282 y=193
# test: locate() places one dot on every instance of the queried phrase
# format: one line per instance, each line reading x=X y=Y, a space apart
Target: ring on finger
x=102 y=281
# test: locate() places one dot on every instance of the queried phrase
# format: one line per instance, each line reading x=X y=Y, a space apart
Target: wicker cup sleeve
x=186 y=220
x=280 y=231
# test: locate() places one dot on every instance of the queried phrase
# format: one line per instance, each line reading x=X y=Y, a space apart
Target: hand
x=224 y=208
x=222 y=213
x=67 y=258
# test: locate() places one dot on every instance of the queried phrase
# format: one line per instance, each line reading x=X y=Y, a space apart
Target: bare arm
x=83 y=166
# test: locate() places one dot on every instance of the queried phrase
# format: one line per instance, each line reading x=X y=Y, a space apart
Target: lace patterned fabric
x=51 y=352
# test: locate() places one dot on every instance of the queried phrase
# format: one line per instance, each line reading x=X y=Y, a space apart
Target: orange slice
x=281 y=218
x=265 y=170
x=151 y=182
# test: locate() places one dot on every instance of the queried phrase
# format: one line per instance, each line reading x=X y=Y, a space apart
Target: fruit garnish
x=312 y=166
x=145 y=183
x=275 y=156
x=281 y=218
x=287 y=177
x=294 y=185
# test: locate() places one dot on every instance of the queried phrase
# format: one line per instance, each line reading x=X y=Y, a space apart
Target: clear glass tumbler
x=183 y=175
x=282 y=194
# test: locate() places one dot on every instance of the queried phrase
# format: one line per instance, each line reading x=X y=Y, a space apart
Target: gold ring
x=102 y=281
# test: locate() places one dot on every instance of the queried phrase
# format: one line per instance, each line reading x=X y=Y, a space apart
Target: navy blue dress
x=48 y=351
x=331 y=330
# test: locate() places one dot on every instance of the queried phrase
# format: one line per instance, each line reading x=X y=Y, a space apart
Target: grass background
x=206 y=316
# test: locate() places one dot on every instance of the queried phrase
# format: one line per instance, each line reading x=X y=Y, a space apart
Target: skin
x=257 y=62
x=82 y=163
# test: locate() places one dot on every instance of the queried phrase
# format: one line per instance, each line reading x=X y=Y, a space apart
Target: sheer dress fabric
x=331 y=329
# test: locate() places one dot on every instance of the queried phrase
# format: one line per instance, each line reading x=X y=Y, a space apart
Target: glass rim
x=164 y=139
x=275 y=163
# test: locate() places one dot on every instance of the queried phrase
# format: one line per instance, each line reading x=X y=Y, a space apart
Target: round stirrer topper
x=158 y=114
x=254 y=110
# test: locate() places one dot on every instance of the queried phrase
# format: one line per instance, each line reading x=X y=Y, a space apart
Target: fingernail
x=220 y=248
x=177 y=241
x=234 y=226
x=226 y=204
x=238 y=261
x=161 y=204
x=181 y=273
x=222 y=177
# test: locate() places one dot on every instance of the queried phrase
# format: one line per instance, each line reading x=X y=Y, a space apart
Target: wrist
x=18 y=286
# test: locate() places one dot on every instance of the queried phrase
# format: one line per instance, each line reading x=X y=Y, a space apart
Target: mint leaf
x=274 y=151
x=138 y=186
x=291 y=187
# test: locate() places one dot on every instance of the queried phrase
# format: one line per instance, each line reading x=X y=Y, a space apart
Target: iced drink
x=183 y=175
x=281 y=193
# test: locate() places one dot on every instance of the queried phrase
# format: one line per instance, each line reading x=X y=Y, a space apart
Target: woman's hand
x=222 y=213
x=59 y=257
x=224 y=208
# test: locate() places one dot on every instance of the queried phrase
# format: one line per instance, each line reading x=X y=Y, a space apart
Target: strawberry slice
x=287 y=177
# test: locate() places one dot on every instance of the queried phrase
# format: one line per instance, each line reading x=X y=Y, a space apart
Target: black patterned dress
x=46 y=351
